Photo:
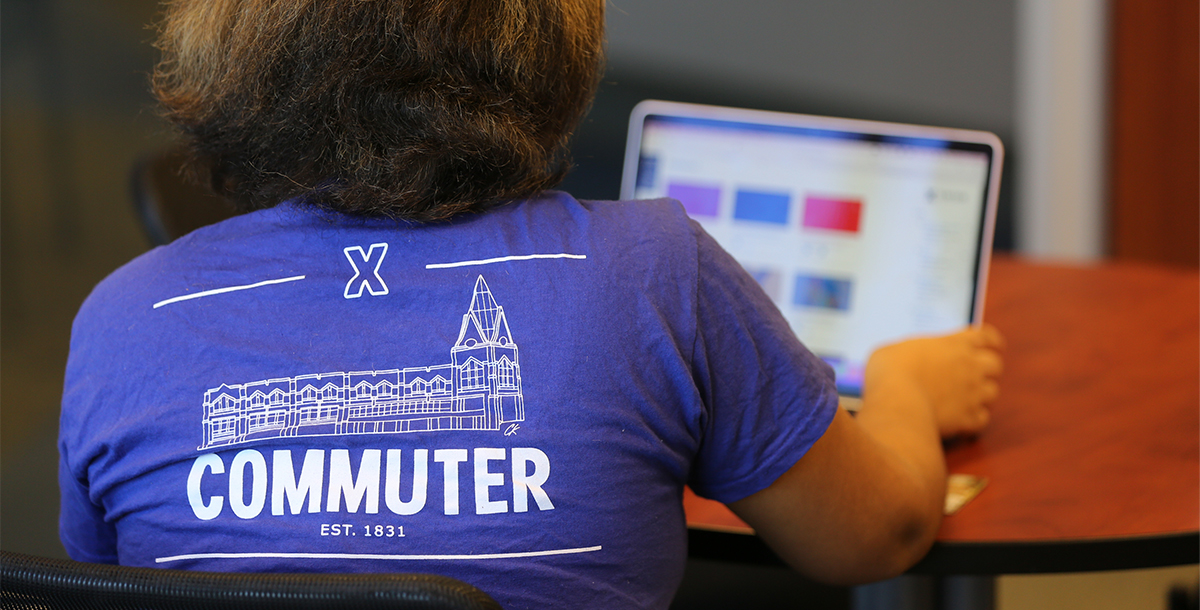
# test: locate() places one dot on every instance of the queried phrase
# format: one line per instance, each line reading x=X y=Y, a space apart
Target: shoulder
x=637 y=233
x=661 y=218
x=121 y=307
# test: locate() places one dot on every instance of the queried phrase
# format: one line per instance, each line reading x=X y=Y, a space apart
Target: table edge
x=1063 y=555
x=991 y=558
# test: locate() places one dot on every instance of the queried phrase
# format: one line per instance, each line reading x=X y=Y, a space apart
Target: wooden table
x=1093 y=454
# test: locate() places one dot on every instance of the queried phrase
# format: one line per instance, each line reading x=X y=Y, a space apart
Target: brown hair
x=416 y=109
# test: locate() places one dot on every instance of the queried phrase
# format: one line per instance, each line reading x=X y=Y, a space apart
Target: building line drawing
x=208 y=293
x=479 y=389
x=366 y=282
x=501 y=259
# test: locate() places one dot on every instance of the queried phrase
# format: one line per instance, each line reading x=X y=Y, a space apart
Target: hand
x=956 y=373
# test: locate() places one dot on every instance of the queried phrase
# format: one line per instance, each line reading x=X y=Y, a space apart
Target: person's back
x=379 y=397
x=421 y=361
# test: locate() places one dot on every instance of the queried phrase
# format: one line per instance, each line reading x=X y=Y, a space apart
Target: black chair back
x=53 y=584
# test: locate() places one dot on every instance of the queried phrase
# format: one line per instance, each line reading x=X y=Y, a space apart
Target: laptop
x=863 y=233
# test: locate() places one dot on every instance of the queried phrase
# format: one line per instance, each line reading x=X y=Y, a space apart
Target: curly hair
x=413 y=109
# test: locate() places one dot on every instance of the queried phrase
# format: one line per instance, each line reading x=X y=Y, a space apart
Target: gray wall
x=947 y=62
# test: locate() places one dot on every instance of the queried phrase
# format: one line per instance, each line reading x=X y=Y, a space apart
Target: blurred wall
x=1154 y=144
x=76 y=114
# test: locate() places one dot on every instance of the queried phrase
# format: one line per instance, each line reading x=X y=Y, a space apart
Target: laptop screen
x=862 y=233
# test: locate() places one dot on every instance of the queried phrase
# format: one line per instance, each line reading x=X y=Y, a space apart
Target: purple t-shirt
x=515 y=399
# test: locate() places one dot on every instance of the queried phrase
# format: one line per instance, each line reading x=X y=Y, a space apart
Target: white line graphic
x=587 y=549
x=501 y=259
x=208 y=293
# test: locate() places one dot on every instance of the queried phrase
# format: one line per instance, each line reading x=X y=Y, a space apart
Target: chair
x=42 y=583
x=1182 y=597
x=168 y=205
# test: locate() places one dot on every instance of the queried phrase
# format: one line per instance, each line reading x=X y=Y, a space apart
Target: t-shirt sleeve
x=81 y=526
x=766 y=397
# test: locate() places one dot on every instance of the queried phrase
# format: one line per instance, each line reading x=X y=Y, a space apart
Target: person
x=410 y=355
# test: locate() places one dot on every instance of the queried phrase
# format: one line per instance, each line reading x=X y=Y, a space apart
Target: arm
x=866 y=501
x=81 y=526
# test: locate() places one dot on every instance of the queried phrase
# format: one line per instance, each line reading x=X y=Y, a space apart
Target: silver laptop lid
x=861 y=232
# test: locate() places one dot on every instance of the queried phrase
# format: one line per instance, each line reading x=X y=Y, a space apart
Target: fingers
x=988 y=343
x=986 y=336
x=989 y=392
x=982 y=418
x=969 y=422
x=990 y=363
